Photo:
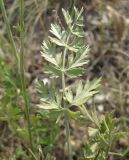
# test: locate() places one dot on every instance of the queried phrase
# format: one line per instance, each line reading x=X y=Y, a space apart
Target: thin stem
x=115 y=154
x=9 y=32
x=96 y=157
x=33 y=155
x=109 y=146
x=66 y=117
x=72 y=7
x=66 y=121
x=24 y=91
x=68 y=137
x=63 y=87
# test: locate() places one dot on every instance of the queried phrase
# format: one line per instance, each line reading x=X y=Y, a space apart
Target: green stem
x=66 y=121
x=9 y=32
x=21 y=68
x=66 y=117
x=96 y=157
x=109 y=146
x=68 y=137
x=116 y=154
x=21 y=61
x=72 y=7
x=63 y=87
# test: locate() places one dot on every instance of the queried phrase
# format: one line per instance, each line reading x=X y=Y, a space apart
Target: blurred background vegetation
x=106 y=26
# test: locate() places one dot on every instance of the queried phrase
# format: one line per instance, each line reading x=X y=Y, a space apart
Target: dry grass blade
x=119 y=21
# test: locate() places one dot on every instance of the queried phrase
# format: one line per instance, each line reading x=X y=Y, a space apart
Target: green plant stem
x=68 y=137
x=21 y=61
x=21 y=68
x=96 y=157
x=109 y=146
x=9 y=32
x=66 y=117
x=63 y=87
x=115 y=154
x=72 y=7
x=66 y=122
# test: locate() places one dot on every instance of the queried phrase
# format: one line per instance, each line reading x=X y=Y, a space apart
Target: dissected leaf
x=67 y=17
x=92 y=131
x=74 y=72
x=48 y=52
x=56 y=41
x=56 y=31
x=49 y=58
x=81 y=58
x=83 y=92
x=62 y=44
x=87 y=92
x=51 y=99
x=49 y=106
x=53 y=71
x=69 y=95
x=78 y=13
